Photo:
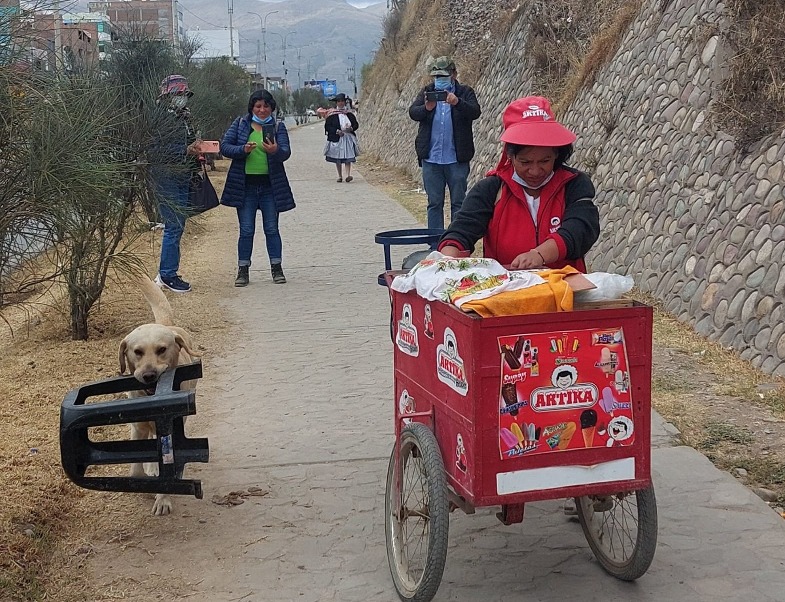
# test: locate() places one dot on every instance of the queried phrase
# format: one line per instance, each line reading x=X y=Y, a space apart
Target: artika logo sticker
x=406 y=339
x=449 y=365
x=566 y=392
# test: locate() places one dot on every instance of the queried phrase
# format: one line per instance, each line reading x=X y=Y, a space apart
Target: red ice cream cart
x=506 y=410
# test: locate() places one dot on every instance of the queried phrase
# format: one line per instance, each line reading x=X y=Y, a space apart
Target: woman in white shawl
x=341 y=146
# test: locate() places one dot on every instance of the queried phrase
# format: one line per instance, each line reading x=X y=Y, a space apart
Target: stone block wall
x=696 y=223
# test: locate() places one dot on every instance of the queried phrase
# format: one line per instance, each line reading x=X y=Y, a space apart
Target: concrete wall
x=696 y=223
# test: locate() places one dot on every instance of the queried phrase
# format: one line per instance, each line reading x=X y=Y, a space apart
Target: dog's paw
x=162 y=505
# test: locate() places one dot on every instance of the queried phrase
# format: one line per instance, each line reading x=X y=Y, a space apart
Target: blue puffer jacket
x=232 y=146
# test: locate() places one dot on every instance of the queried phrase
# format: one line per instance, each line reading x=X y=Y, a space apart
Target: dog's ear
x=181 y=341
x=123 y=347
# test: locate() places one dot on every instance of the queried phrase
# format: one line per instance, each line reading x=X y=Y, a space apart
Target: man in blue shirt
x=445 y=110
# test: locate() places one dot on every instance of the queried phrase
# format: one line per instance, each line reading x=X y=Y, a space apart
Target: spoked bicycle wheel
x=416 y=514
x=621 y=530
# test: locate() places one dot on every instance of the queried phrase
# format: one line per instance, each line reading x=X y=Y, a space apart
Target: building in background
x=9 y=9
x=97 y=22
x=157 y=19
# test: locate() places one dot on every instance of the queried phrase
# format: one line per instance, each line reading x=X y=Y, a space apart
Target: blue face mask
x=442 y=83
x=257 y=120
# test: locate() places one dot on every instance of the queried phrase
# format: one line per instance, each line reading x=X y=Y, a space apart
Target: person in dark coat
x=445 y=142
x=258 y=145
x=340 y=127
x=174 y=156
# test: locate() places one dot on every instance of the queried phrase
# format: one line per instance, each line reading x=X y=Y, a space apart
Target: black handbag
x=202 y=196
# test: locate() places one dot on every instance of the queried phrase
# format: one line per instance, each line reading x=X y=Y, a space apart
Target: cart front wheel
x=417 y=514
x=621 y=530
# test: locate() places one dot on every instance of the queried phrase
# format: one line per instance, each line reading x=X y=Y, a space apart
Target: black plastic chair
x=171 y=449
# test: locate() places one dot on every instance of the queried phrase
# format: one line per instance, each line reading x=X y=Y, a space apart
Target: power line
x=200 y=18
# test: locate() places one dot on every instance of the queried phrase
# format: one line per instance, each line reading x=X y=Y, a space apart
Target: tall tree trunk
x=80 y=308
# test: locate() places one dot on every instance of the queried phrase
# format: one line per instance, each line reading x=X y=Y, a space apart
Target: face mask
x=179 y=102
x=522 y=182
x=257 y=120
x=442 y=83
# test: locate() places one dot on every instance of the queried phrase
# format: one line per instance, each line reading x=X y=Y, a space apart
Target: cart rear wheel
x=621 y=530
x=417 y=514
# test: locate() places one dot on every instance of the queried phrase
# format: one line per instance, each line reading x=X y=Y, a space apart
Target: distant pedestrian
x=258 y=145
x=341 y=146
x=445 y=110
x=176 y=151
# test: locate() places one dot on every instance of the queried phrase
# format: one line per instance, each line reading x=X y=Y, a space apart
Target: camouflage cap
x=442 y=65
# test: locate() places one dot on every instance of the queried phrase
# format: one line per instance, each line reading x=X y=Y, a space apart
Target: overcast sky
x=357 y=3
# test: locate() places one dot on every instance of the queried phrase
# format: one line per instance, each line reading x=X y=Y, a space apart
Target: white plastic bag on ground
x=458 y=280
x=609 y=287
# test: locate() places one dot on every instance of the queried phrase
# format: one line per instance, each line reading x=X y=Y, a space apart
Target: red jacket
x=495 y=209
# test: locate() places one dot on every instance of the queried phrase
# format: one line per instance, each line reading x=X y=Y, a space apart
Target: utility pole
x=58 y=36
x=258 y=56
x=231 y=32
x=299 y=85
x=353 y=70
x=285 y=70
x=175 y=26
x=263 y=25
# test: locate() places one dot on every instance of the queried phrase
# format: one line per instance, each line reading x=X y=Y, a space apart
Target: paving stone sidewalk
x=302 y=408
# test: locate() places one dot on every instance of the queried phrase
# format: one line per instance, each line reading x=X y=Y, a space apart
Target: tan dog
x=147 y=352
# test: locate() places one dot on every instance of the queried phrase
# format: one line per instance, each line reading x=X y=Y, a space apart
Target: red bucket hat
x=529 y=121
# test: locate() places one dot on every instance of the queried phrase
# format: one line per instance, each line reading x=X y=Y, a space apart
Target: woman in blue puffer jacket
x=258 y=145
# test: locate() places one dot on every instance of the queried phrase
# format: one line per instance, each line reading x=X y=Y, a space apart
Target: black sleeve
x=469 y=106
x=580 y=227
x=353 y=121
x=471 y=222
x=417 y=110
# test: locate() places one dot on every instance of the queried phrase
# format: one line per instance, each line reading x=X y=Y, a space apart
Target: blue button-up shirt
x=442 y=141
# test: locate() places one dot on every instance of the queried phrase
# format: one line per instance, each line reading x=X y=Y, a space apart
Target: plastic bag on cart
x=609 y=287
x=458 y=280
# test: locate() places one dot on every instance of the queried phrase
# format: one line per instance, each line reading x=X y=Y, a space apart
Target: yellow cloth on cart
x=554 y=295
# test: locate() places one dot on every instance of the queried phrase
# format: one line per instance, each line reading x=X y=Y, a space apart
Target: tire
x=623 y=553
x=417 y=517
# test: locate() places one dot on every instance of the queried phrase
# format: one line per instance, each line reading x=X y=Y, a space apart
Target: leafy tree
x=282 y=101
x=74 y=177
x=307 y=98
x=221 y=92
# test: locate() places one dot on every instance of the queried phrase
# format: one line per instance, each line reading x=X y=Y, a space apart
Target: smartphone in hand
x=268 y=132
x=209 y=146
x=435 y=95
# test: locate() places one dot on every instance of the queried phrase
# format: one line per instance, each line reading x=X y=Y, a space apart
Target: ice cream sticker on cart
x=428 y=322
x=460 y=453
x=449 y=365
x=406 y=339
x=561 y=391
x=406 y=405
